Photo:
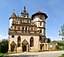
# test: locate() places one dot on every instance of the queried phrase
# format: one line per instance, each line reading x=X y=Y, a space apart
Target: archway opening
x=24 y=46
x=13 y=46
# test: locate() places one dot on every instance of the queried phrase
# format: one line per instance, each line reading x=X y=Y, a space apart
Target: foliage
x=48 y=40
x=60 y=44
x=0 y=47
x=54 y=41
x=3 y=55
x=62 y=55
x=4 y=46
x=61 y=32
x=57 y=47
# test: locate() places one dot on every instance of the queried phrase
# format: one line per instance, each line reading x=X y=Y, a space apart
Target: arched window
x=40 y=31
x=19 y=41
x=22 y=27
x=31 y=42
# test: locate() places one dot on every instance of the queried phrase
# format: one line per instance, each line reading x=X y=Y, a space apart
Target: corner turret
x=39 y=20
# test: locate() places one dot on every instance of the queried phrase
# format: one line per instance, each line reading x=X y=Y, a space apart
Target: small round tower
x=39 y=20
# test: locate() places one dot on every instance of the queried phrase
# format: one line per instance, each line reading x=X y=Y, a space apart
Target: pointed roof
x=25 y=42
x=13 y=43
x=13 y=15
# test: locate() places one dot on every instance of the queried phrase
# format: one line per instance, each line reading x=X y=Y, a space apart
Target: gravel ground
x=38 y=54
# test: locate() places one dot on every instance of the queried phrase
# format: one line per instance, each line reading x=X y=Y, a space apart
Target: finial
x=24 y=8
x=13 y=10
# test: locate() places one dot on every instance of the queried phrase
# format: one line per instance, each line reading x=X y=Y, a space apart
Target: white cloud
x=55 y=38
x=3 y=37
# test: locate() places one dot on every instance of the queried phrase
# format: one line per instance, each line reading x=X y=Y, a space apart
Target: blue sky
x=53 y=8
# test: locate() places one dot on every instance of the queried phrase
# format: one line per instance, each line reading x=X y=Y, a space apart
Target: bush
x=60 y=44
x=4 y=46
x=57 y=47
x=62 y=55
x=48 y=40
x=1 y=55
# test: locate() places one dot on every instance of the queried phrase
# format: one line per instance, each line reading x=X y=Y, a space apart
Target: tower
x=24 y=14
x=39 y=20
x=11 y=20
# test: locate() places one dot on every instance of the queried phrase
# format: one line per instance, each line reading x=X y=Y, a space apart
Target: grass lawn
x=5 y=54
x=62 y=55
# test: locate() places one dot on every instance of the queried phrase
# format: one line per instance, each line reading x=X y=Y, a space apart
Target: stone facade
x=27 y=34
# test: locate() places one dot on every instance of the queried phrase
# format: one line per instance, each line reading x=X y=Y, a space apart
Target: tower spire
x=24 y=8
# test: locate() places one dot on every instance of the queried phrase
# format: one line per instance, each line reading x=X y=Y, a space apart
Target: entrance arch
x=25 y=46
x=13 y=46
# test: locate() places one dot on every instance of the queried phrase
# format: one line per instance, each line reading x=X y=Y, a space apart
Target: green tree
x=61 y=32
x=48 y=40
x=0 y=47
x=4 y=46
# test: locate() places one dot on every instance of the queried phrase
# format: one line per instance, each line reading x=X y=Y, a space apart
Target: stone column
x=27 y=48
x=44 y=46
x=47 y=46
x=16 y=48
x=39 y=47
x=9 y=50
x=9 y=46
x=21 y=47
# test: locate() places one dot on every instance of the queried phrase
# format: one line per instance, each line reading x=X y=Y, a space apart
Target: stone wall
x=27 y=38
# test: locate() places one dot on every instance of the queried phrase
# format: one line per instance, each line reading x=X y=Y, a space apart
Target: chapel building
x=27 y=34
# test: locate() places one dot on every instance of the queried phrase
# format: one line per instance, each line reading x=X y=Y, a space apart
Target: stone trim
x=39 y=21
x=24 y=24
x=41 y=27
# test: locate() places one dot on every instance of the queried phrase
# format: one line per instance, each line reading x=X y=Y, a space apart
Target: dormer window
x=40 y=17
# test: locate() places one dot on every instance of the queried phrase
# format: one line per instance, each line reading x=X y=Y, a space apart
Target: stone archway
x=25 y=46
x=13 y=46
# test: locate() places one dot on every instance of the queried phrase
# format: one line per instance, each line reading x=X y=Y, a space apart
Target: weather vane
x=13 y=10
